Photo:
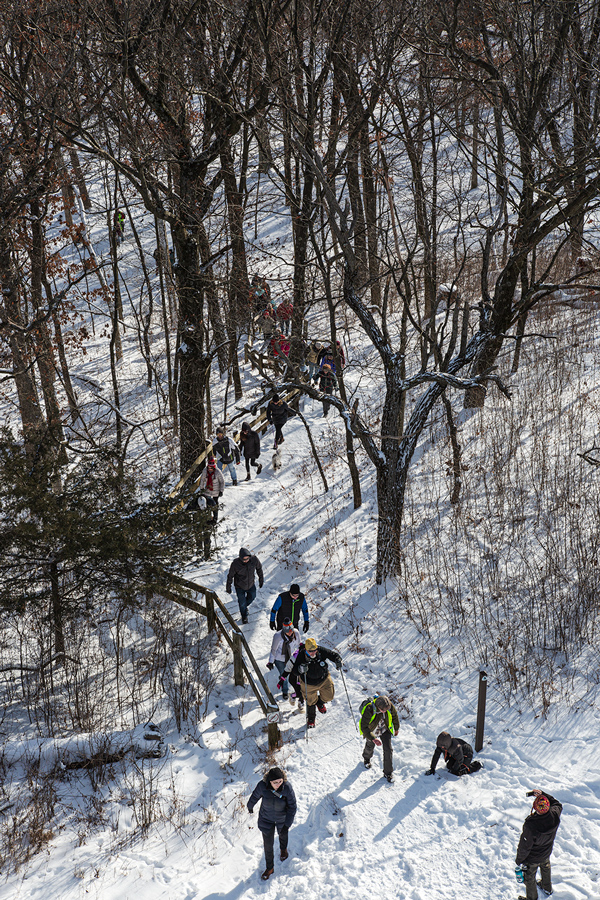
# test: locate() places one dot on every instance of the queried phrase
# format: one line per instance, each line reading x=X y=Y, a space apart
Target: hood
x=244 y=552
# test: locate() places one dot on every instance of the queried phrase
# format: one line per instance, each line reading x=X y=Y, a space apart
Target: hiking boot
x=281 y=440
x=267 y=874
x=244 y=620
x=258 y=469
x=389 y=778
x=248 y=477
x=321 y=706
x=285 y=696
x=311 y=724
x=542 y=888
x=283 y=855
x=476 y=765
x=367 y=763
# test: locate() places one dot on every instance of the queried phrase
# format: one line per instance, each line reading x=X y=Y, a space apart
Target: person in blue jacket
x=277 y=810
x=288 y=606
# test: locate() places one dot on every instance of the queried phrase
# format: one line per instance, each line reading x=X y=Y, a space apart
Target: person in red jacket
x=285 y=312
x=536 y=843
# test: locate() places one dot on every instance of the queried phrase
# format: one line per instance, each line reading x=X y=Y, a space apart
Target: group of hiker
x=303 y=668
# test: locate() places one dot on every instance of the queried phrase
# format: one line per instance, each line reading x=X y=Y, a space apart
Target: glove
x=220 y=493
x=377 y=742
x=260 y=583
x=284 y=830
x=396 y=733
x=270 y=666
x=520 y=873
x=227 y=590
x=280 y=683
x=430 y=772
x=305 y=626
x=272 y=625
x=250 y=809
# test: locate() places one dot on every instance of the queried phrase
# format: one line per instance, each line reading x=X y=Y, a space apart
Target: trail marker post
x=480 y=711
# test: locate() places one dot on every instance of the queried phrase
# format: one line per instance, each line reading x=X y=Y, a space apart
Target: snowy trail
x=355 y=835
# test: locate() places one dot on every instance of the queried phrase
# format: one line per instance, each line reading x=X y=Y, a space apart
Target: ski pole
x=348 y=696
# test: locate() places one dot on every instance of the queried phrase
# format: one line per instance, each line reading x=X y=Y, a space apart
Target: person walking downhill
x=457 y=754
x=212 y=485
x=250 y=446
x=327 y=384
x=288 y=605
x=312 y=356
x=227 y=453
x=378 y=721
x=311 y=670
x=241 y=573
x=285 y=643
x=277 y=811
x=536 y=843
x=278 y=412
x=285 y=311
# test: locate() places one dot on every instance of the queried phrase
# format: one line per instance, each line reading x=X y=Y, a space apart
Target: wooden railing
x=220 y=619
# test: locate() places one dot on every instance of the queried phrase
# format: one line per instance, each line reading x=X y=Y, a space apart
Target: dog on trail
x=277 y=459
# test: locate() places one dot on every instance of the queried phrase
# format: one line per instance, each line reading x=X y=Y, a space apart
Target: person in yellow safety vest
x=378 y=721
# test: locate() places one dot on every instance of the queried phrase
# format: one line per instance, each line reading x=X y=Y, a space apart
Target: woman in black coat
x=277 y=810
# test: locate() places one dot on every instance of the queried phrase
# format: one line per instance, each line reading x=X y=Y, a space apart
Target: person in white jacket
x=284 y=645
x=212 y=485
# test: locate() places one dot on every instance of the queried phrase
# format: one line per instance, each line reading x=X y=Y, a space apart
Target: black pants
x=278 y=433
x=269 y=839
x=545 y=879
x=457 y=768
x=386 y=743
x=250 y=461
x=213 y=503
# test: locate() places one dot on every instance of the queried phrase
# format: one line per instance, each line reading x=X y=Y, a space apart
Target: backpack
x=363 y=706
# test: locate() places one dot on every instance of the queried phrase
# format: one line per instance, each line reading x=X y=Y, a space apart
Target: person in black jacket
x=311 y=670
x=277 y=811
x=250 y=446
x=458 y=755
x=241 y=572
x=327 y=384
x=226 y=453
x=288 y=606
x=536 y=843
x=278 y=412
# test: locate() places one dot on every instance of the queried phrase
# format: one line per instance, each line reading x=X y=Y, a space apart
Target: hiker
x=280 y=346
x=202 y=524
x=327 y=384
x=227 y=453
x=284 y=645
x=267 y=322
x=241 y=572
x=457 y=754
x=212 y=485
x=278 y=412
x=285 y=312
x=250 y=447
x=312 y=356
x=277 y=810
x=378 y=721
x=311 y=670
x=536 y=843
x=288 y=606
x=119 y=225
x=260 y=294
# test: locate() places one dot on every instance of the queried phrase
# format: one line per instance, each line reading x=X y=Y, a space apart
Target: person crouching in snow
x=312 y=673
x=277 y=811
x=378 y=721
x=457 y=754
x=284 y=645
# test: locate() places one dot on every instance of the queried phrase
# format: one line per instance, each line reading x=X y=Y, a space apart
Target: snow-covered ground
x=355 y=835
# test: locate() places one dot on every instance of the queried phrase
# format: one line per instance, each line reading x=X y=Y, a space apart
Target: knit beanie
x=294 y=589
x=443 y=740
x=274 y=774
x=541 y=805
x=276 y=398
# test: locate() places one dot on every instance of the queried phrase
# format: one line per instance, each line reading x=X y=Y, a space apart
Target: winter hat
x=287 y=625
x=294 y=588
x=245 y=427
x=541 y=805
x=220 y=430
x=244 y=552
x=211 y=462
x=310 y=644
x=274 y=774
x=276 y=398
x=383 y=702
x=443 y=740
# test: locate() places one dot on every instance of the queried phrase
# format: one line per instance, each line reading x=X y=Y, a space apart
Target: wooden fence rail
x=244 y=664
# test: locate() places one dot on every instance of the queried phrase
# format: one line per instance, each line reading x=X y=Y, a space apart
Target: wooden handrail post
x=273 y=719
x=210 y=612
x=238 y=669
